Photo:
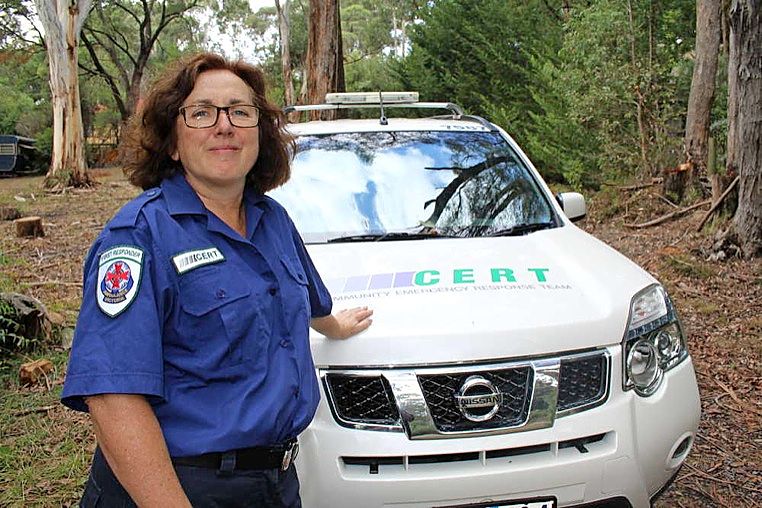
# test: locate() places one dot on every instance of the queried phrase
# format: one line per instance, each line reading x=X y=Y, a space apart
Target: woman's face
x=220 y=156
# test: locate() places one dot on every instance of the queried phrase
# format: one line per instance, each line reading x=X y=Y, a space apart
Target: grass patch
x=689 y=267
x=45 y=449
x=607 y=203
x=706 y=308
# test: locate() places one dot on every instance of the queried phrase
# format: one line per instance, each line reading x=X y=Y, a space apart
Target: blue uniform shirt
x=211 y=327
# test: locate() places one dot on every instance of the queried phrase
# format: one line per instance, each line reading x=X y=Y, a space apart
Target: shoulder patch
x=128 y=215
x=187 y=261
x=119 y=272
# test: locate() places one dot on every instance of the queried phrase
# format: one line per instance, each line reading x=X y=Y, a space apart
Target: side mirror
x=573 y=205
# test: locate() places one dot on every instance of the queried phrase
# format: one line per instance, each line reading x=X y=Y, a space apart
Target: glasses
x=203 y=116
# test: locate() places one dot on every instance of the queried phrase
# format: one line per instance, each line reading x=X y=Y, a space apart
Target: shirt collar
x=182 y=199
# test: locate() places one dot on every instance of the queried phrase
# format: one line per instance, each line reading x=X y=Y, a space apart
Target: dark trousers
x=205 y=487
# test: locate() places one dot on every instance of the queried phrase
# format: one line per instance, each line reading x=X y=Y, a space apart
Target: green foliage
x=593 y=91
x=117 y=46
x=615 y=56
x=478 y=55
x=25 y=97
x=11 y=337
x=581 y=90
x=372 y=74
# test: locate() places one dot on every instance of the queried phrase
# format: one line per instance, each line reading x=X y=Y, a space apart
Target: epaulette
x=128 y=215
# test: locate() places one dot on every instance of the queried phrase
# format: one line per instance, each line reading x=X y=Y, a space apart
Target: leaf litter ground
x=45 y=449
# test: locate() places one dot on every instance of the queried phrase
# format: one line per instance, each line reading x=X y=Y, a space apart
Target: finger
x=360 y=311
x=362 y=325
x=363 y=314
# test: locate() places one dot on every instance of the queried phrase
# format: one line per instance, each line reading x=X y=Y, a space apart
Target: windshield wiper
x=523 y=229
x=389 y=235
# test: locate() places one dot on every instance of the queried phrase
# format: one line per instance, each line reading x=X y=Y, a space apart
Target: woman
x=191 y=351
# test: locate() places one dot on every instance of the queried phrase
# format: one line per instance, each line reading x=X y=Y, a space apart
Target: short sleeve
x=320 y=298
x=117 y=345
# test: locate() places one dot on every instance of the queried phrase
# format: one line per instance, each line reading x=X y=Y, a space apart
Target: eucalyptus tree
x=325 y=60
x=744 y=121
x=120 y=37
x=700 y=100
x=373 y=36
x=284 y=36
x=62 y=21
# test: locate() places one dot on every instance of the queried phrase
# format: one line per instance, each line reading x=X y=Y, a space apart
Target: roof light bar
x=371 y=98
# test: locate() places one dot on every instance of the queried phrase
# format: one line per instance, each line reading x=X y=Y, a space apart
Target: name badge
x=193 y=259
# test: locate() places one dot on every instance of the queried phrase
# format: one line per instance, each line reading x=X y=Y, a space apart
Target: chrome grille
x=433 y=402
x=514 y=385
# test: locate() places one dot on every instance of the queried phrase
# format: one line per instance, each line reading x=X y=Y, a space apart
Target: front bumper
x=636 y=445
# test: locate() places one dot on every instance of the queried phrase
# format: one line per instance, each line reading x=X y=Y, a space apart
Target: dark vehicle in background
x=18 y=155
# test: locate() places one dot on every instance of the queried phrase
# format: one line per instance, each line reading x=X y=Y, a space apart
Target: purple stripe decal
x=381 y=281
x=357 y=283
x=403 y=279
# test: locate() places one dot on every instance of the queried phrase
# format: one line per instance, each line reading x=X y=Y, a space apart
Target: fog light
x=643 y=367
x=681 y=448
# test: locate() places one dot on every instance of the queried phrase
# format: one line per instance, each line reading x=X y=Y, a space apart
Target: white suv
x=514 y=360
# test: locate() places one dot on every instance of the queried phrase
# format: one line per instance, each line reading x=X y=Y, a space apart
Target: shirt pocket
x=217 y=317
x=297 y=289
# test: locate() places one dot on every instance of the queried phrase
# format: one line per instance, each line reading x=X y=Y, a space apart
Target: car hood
x=454 y=300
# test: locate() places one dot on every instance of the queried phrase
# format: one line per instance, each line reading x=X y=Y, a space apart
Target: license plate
x=528 y=503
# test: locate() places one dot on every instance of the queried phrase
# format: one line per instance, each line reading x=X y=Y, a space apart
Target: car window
x=460 y=183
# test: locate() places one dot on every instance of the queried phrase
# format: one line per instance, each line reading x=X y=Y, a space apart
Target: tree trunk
x=708 y=38
x=643 y=129
x=284 y=32
x=745 y=121
x=325 y=59
x=62 y=21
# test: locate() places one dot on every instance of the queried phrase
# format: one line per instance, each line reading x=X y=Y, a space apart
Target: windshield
x=363 y=184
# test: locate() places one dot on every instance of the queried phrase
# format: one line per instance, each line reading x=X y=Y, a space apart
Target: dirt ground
x=44 y=449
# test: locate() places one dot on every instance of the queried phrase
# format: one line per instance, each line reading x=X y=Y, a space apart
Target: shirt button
x=284 y=343
x=296 y=392
x=272 y=291
x=221 y=294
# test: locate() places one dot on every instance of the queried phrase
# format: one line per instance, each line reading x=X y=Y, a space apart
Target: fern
x=11 y=338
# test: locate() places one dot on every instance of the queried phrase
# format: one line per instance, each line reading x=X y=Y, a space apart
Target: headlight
x=654 y=341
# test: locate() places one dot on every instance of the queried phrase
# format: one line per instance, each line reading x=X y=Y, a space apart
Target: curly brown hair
x=150 y=136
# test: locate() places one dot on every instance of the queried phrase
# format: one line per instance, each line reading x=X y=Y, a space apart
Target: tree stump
x=29 y=226
x=31 y=315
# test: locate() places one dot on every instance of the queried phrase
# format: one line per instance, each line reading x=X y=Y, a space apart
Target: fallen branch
x=43 y=409
x=717 y=204
x=51 y=283
x=670 y=203
x=637 y=186
x=672 y=215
